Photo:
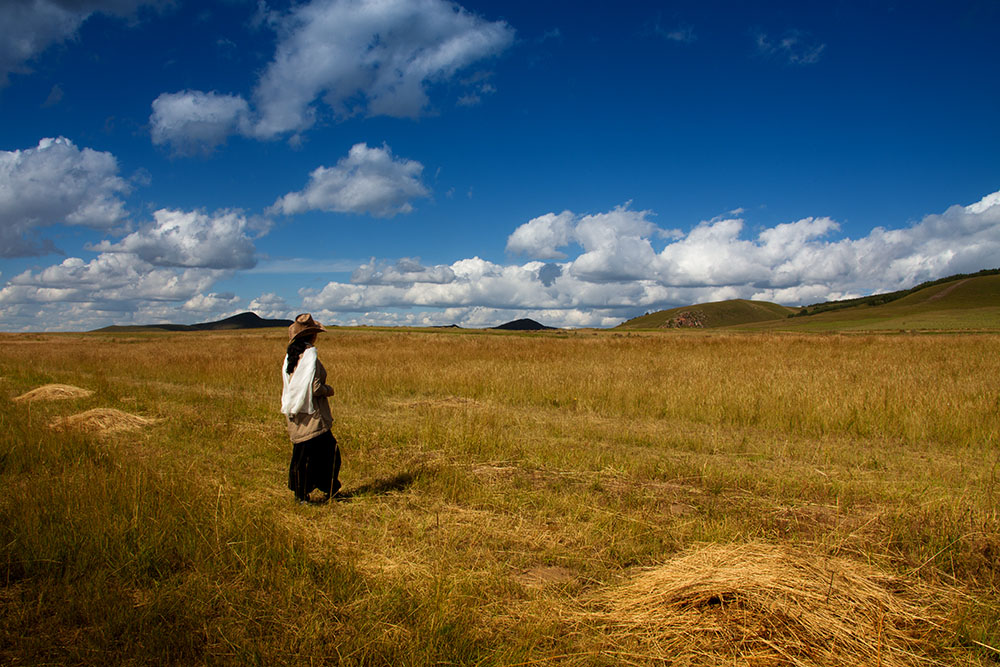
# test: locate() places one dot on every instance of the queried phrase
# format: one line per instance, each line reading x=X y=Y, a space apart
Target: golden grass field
x=571 y=498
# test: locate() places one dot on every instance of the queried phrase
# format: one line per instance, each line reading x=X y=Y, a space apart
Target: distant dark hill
x=523 y=325
x=241 y=321
x=710 y=315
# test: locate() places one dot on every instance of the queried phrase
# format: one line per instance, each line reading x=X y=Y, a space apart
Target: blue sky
x=427 y=162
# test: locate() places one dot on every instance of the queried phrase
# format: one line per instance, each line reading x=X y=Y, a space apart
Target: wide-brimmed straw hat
x=304 y=325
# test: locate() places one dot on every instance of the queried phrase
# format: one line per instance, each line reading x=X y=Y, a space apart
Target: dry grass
x=766 y=604
x=443 y=402
x=102 y=420
x=493 y=482
x=53 y=392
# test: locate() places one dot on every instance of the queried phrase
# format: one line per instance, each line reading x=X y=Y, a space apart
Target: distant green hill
x=958 y=304
x=964 y=302
x=711 y=315
x=888 y=297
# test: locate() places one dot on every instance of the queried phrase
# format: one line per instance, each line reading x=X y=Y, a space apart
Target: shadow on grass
x=379 y=486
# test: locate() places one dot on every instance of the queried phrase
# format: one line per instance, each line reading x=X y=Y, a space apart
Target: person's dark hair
x=295 y=350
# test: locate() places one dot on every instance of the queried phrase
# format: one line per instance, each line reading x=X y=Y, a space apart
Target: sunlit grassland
x=495 y=483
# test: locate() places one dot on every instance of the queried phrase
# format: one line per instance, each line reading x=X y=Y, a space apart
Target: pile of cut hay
x=764 y=604
x=54 y=392
x=103 y=420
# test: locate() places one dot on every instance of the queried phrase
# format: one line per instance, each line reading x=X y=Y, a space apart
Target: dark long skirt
x=315 y=465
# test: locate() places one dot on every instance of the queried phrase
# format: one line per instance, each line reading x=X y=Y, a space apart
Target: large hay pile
x=103 y=420
x=763 y=604
x=53 y=392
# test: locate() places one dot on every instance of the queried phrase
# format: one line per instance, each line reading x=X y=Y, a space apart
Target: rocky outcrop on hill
x=687 y=319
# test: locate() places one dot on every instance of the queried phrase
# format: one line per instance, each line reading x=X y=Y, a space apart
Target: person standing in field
x=315 y=454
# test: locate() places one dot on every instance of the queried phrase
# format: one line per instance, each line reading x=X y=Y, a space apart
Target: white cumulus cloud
x=368 y=57
x=191 y=239
x=616 y=245
x=368 y=180
x=56 y=183
x=211 y=303
x=270 y=306
x=542 y=236
x=405 y=271
x=164 y=271
x=108 y=278
x=192 y=121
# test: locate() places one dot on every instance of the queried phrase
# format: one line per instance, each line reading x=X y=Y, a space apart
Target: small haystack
x=763 y=604
x=103 y=420
x=54 y=392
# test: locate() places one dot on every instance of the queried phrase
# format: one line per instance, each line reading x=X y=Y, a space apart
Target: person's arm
x=321 y=390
